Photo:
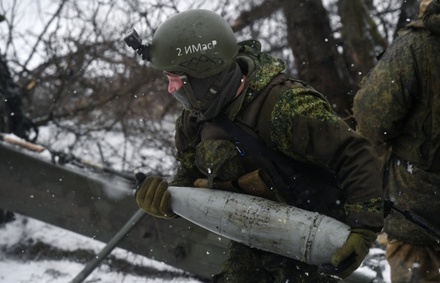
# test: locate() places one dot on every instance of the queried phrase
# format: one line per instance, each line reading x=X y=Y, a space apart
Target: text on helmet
x=194 y=48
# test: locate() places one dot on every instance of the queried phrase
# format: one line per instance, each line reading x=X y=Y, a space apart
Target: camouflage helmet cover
x=199 y=43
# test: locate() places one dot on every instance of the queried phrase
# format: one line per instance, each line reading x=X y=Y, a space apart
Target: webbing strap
x=242 y=137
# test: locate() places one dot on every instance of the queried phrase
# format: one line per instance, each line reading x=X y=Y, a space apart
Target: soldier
x=223 y=84
x=398 y=109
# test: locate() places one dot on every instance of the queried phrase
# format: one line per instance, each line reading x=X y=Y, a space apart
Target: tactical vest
x=303 y=185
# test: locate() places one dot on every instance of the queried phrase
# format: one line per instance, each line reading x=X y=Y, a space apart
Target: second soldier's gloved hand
x=153 y=197
x=350 y=256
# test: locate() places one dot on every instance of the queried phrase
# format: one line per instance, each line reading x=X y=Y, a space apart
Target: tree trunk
x=408 y=12
x=316 y=56
x=360 y=37
x=12 y=119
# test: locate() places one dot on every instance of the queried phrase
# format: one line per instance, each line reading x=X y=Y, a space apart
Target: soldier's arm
x=187 y=171
x=383 y=100
x=304 y=127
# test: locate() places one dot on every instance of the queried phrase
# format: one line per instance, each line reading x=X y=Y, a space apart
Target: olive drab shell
x=198 y=43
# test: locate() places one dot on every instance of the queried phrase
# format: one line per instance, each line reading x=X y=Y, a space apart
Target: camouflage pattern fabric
x=300 y=125
x=252 y=265
x=207 y=154
x=398 y=105
x=415 y=190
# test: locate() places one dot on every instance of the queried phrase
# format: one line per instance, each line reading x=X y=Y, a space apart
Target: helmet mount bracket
x=133 y=40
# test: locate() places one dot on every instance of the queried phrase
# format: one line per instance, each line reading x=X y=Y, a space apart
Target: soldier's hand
x=153 y=197
x=350 y=256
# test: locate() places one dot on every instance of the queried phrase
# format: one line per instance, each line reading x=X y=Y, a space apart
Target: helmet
x=199 y=43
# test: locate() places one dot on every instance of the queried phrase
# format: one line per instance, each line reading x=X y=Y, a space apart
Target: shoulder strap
x=306 y=186
x=252 y=142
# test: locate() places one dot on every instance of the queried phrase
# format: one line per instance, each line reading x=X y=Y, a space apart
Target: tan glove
x=350 y=256
x=153 y=197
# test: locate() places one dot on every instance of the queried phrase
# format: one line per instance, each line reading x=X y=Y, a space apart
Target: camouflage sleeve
x=187 y=171
x=383 y=100
x=305 y=128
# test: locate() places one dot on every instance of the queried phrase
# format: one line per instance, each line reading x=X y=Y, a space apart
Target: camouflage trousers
x=248 y=265
x=413 y=264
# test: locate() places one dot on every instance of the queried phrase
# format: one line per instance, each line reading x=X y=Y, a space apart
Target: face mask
x=210 y=95
x=180 y=95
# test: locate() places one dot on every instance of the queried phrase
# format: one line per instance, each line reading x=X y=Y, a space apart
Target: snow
x=14 y=269
x=18 y=264
x=25 y=230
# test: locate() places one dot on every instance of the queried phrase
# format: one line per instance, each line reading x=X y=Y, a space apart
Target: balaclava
x=206 y=97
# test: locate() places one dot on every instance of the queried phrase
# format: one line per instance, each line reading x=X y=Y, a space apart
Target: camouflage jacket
x=398 y=107
x=300 y=124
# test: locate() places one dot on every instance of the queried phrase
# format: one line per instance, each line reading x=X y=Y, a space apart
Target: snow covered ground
x=32 y=251
x=37 y=252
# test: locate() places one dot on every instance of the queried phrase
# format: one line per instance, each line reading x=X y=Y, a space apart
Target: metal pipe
x=136 y=218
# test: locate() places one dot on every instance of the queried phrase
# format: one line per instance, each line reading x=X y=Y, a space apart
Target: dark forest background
x=90 y=96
